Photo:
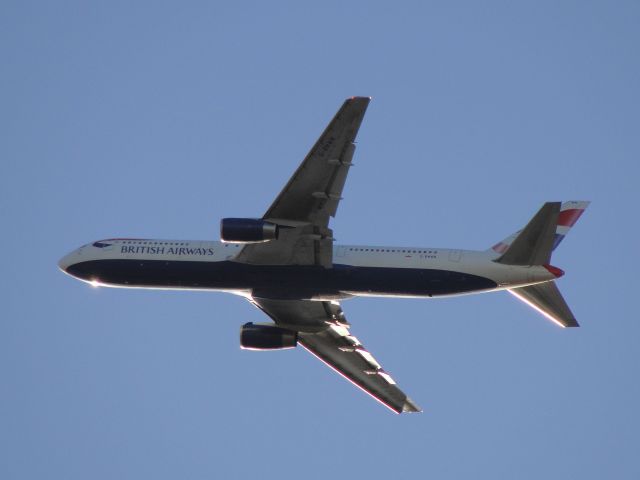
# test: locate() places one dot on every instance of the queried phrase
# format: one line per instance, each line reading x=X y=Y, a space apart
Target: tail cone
x=555 y=271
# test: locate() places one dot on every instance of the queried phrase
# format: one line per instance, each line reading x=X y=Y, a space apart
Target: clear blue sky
x=156 y=119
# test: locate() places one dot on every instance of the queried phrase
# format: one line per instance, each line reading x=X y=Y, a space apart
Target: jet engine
x=266 y=337
x=247 y=230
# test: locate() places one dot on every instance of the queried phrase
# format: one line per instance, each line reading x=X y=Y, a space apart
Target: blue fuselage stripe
x=290 y=281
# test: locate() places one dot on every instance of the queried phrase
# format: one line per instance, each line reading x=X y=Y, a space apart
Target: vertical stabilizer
x=534 y=244
x=569 y=214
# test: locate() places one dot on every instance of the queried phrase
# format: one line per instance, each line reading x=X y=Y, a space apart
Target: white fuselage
x=359 y=270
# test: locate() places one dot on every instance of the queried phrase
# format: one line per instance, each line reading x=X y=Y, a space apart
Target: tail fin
x=566 y=218
x=533 y=245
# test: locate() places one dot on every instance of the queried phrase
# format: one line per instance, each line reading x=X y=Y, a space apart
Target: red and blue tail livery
x=569 y=215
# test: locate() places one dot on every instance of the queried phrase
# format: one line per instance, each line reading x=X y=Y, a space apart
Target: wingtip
x=410 y=407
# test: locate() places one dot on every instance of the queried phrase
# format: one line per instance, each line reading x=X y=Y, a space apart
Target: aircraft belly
x=282 y=281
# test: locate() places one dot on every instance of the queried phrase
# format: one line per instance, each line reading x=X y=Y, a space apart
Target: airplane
x=286 y=264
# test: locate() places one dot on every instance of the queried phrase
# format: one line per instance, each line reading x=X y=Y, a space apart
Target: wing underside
x=311 y=196
x=313 y=192
x=303 y=210
x=324 y=332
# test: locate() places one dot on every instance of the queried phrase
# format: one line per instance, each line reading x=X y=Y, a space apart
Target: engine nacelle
x=247 y=230
x=266 y=337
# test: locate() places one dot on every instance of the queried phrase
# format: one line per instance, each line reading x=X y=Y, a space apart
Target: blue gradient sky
x=157 y=119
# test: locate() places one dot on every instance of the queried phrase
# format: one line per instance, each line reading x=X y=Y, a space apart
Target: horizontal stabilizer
x=547 y=299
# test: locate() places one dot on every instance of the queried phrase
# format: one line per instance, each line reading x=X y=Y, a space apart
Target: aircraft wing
x=323 y=331
x=311 y=197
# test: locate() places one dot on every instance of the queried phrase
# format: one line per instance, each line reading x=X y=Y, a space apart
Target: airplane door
x=342 y=251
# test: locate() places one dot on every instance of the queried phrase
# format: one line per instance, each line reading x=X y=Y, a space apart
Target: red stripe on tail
x=568 y=218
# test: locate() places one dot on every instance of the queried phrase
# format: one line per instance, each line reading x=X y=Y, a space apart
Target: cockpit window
x=101 y=244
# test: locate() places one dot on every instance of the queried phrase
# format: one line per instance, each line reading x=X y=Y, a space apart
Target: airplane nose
x=64 y=263
x=69 y=260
